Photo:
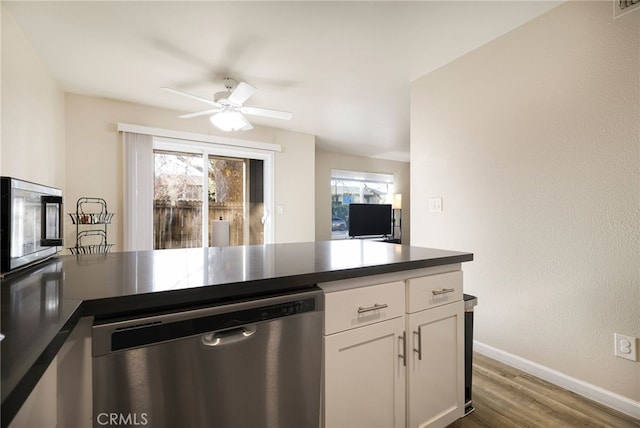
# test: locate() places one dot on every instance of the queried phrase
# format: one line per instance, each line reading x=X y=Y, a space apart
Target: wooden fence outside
x=180 y=225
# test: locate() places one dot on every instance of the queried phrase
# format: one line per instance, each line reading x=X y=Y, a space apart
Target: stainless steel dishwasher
x=250 y=364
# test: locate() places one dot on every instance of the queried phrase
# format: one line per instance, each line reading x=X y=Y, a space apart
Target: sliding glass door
x=236 y=195
x=195 y=189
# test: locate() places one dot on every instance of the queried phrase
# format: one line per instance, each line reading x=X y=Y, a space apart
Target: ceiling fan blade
x=199 y=113
x=275 y=114
x=188 y=95
x=241 y=93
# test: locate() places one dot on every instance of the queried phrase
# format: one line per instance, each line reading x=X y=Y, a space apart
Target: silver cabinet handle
x=419 y=350
x=1 y=337
x=404 y=348
x=375 y=307
x=443 y=291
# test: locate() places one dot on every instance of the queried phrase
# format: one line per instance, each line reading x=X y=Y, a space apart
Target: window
x=349 y=187
x=188 y=184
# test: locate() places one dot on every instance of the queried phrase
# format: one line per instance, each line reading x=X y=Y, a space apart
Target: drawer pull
x=443 y=291
x=419 y=350
x=403 y=356
x=375 y=307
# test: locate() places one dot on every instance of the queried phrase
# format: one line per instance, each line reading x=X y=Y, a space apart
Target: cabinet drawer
x=353 y=308
x=433 y=290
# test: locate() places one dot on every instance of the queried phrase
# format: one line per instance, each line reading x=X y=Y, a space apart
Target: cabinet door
x=364 y=379
x=435 y=376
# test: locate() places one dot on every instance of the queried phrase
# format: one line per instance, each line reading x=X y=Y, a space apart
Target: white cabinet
x=364 y=377
x=394 y=352
x=40 y=408
x=435 y=366
x=429 y=291
x=364 y=371
x=435 y=369
x=349 y=309
x=62 y=397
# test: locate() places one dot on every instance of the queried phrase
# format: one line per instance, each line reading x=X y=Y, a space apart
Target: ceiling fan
x=228 y=109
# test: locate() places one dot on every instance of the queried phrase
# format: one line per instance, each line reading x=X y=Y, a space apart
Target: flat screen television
x=369 y=219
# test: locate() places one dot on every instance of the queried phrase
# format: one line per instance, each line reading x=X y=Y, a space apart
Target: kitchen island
x=41 y=306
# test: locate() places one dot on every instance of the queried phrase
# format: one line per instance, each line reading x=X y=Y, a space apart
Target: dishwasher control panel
x=286 y=309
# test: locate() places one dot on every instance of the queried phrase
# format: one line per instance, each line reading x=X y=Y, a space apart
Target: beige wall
x=94 y=160
x=326 y=161
x=532 y=141
x=295 y=184
x=33 y=137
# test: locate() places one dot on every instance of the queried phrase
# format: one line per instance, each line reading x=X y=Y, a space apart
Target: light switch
x=435 y=205
x=280 y=209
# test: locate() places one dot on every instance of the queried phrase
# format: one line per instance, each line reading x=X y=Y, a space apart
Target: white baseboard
x=592 y=392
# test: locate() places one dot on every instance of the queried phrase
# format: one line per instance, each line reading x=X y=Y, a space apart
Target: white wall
x=33 y=137
x=94 y=160
x=532 y=141
x=326 y=161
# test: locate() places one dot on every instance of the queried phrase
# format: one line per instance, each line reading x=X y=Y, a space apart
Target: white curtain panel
x=138 y=191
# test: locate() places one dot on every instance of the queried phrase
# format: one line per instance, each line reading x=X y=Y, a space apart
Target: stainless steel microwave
x=30 y=223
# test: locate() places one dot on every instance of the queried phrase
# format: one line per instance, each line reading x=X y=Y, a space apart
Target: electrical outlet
x=626 y=347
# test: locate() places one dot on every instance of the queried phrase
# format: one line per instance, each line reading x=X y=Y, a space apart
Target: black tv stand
x=391 y=241
x=386 y=238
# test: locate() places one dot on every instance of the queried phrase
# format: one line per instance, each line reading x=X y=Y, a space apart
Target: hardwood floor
x=506 y=397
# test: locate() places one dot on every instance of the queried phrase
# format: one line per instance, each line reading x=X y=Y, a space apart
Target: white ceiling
x=343 y=68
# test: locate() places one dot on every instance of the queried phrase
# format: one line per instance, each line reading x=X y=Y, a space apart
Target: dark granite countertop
x=41 y=306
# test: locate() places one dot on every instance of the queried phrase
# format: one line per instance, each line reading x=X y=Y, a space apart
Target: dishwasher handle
x=227 y=337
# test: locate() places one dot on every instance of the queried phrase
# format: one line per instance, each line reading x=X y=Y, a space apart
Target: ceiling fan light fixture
x=229 y=120
x=229 y=107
